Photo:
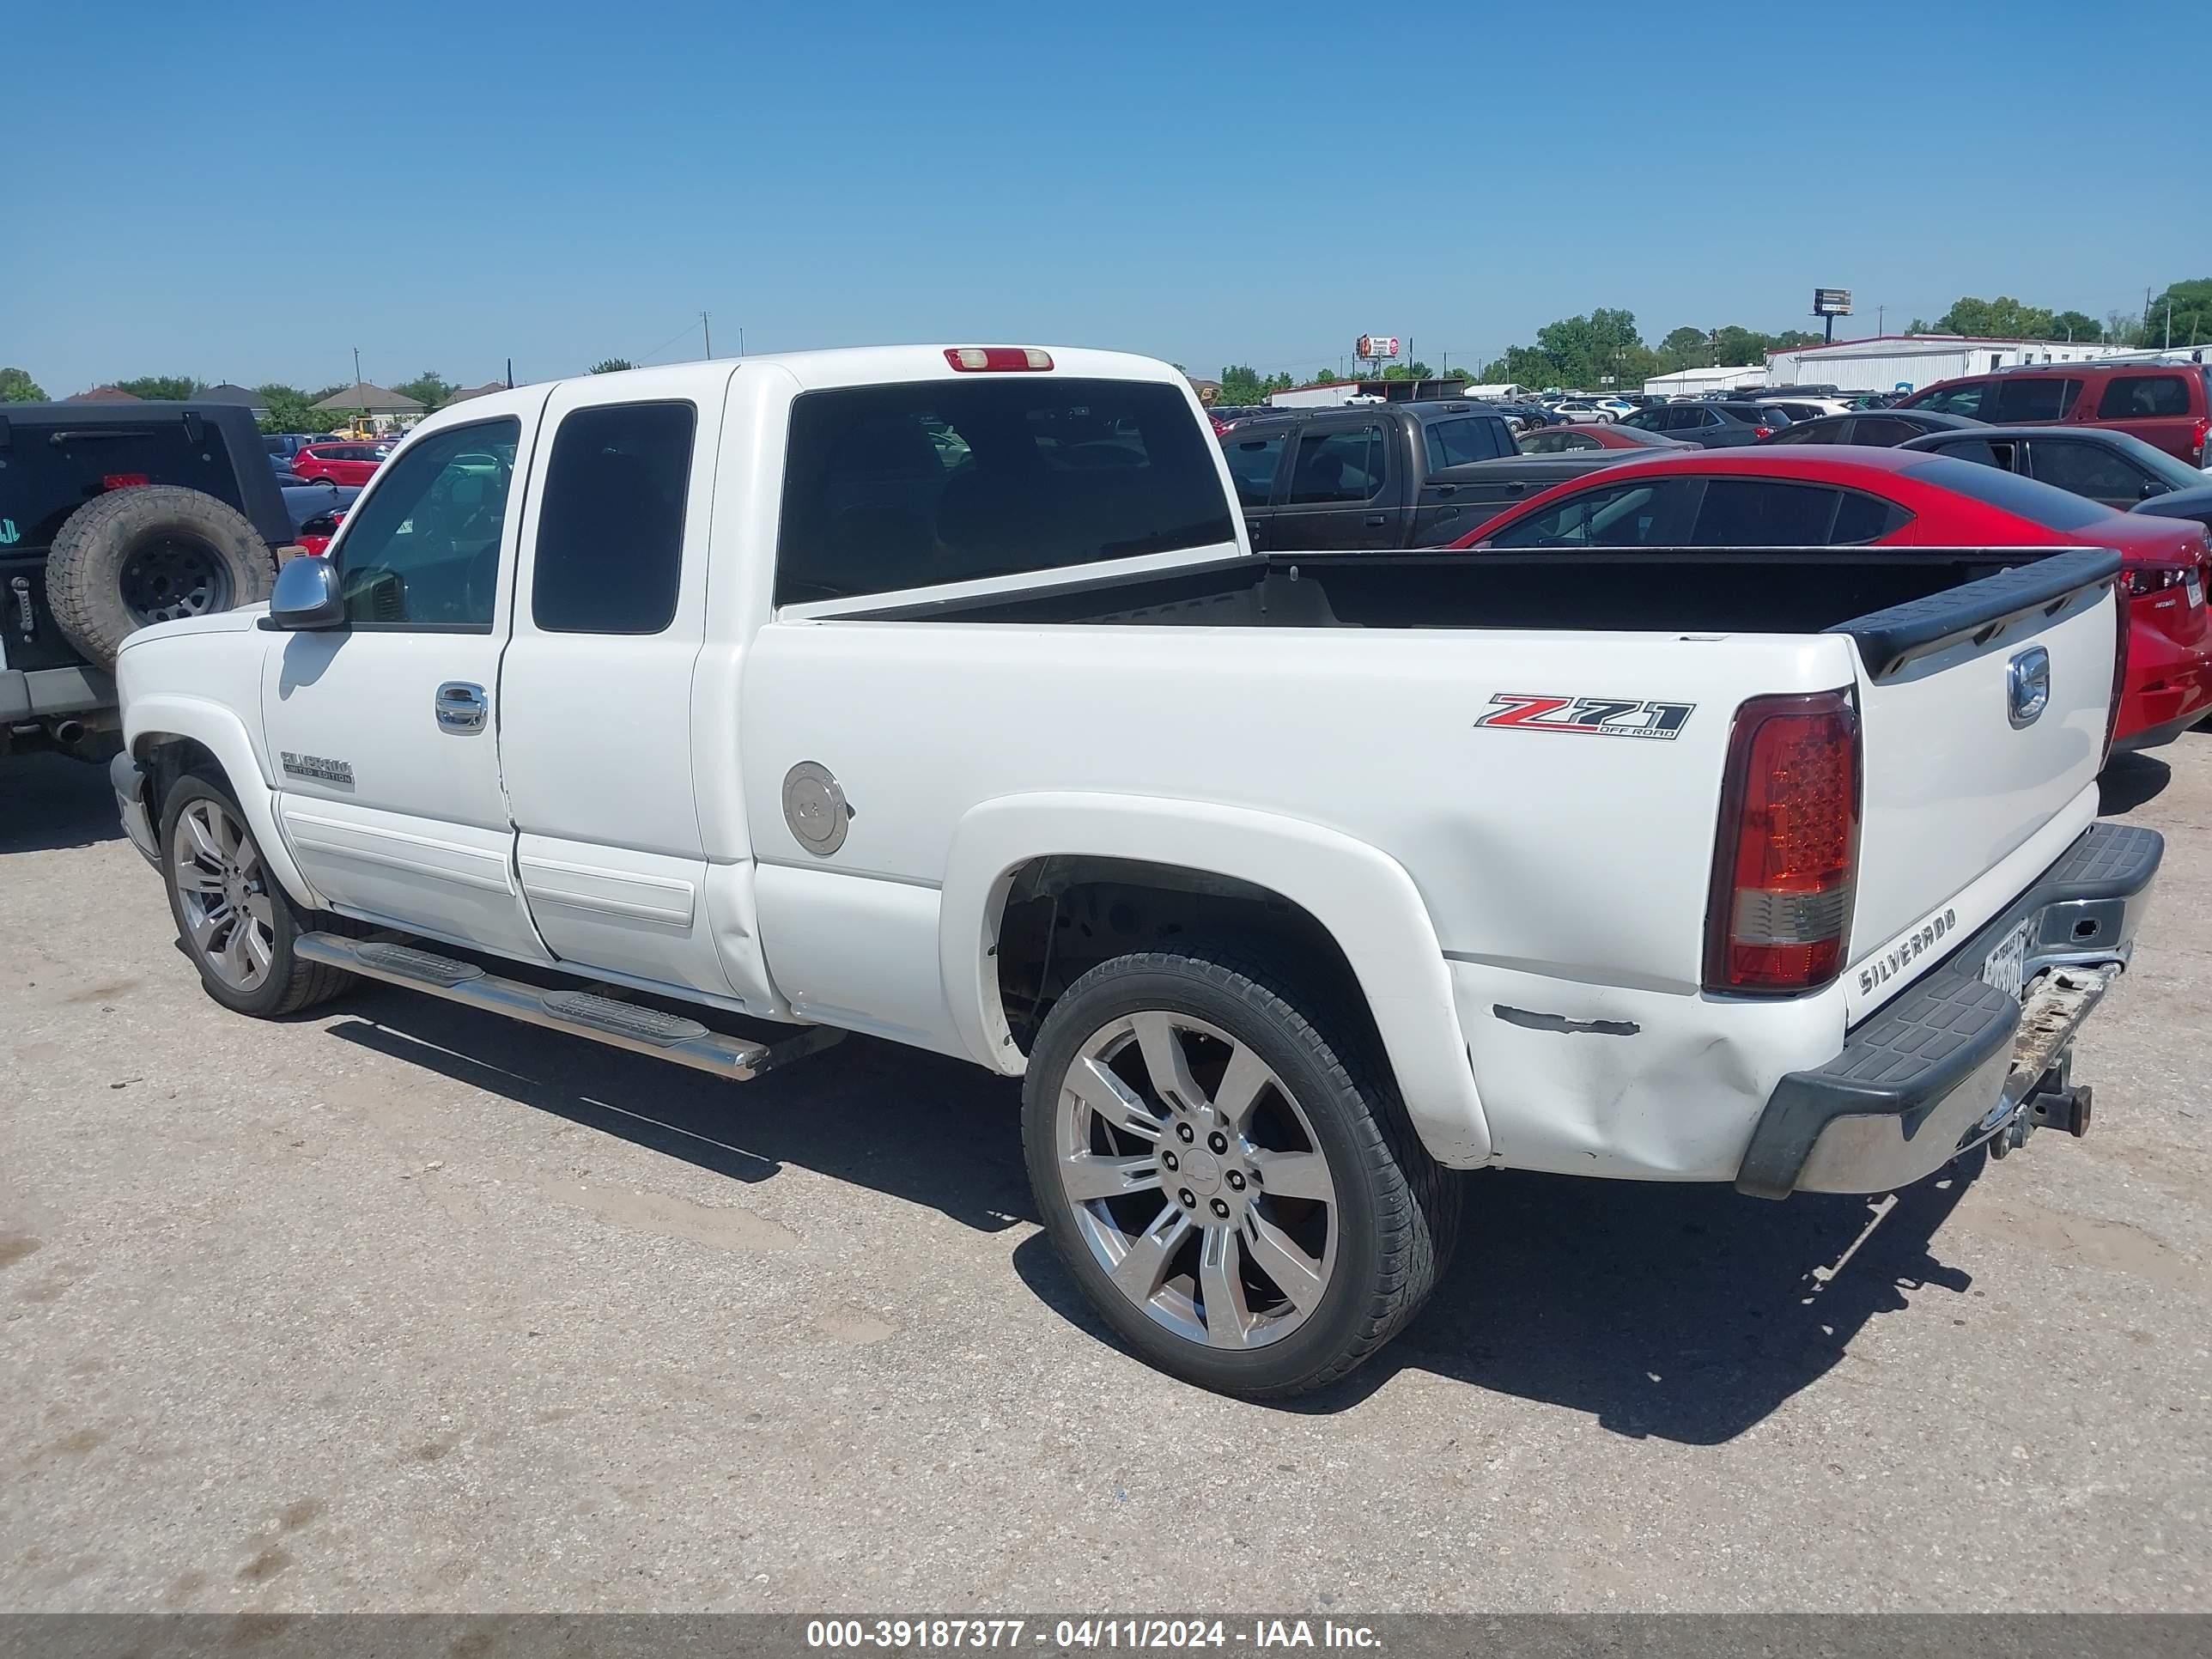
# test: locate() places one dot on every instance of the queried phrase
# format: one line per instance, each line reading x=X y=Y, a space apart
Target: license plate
x=2195 y=588
x=2006 y=966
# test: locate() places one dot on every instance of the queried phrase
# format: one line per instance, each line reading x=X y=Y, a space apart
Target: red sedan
x=1597 y=435
x=1847 y=495
x=341 y=461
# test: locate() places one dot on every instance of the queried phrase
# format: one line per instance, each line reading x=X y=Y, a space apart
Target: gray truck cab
x=1385 y=475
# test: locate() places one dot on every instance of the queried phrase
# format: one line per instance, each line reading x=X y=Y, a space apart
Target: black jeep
x=114 y=516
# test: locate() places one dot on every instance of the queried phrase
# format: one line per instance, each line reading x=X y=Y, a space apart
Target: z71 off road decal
x=1590 y=717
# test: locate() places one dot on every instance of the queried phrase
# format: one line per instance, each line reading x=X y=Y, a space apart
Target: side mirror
x=307 y=599
x=2151 y=487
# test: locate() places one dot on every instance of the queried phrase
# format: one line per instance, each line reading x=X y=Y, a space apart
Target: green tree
x=2002 y=318
x=611 y=365
x=2075 y=325
x=2123 y=328
x=1684 y=348
x=16 y=386
x=1324 y=377
x=162 y=385
x=1242 y=386
x=2190 y=306
x=290 y=409
x=429 y=388
x=1412 y=371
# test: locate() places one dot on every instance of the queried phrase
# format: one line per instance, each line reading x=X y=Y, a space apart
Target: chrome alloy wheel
x=223 y=890
x=1196 y=1180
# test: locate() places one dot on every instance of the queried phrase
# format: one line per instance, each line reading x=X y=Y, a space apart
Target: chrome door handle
x=460 y=706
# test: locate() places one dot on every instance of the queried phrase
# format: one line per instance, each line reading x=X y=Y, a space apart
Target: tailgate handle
x=2027 y=686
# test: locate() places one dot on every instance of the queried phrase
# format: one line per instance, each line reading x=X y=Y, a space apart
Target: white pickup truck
x=713 y=711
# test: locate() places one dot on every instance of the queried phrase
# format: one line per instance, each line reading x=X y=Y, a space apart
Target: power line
x=647 y=357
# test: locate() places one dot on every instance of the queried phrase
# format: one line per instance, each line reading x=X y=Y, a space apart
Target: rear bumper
x=34 y=693
x=1946 y=1064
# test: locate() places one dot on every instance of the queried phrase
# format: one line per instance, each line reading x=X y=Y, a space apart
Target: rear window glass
x=1451 y=442
x=1763 y=513
x=1252 y=464
x=2143 y=397
x=47 y=472
x=2032 y=397
x=946 y=481
x=610 y=528
x=2039 y=503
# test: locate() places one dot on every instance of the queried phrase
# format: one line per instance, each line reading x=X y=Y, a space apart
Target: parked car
x=1571 y=440
x=1880 y=427
x=1384 y=475
x=1711 y=425
x=1224 y=416
x=1528 y=417
x=282 y=446
x=114 y=516
x=1283 y=919
x=345 y=463
x=1795 y=410
x=1581 y=409
x=1850 y=497
x=2110 y=468
x=2167 y=405
x=316 y=510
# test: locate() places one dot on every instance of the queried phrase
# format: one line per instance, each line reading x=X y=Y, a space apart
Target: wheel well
x=1063 y=915
x=167 y=757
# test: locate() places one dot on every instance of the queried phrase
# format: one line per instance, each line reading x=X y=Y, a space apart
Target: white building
x=1886 y=362
x=1691 y=382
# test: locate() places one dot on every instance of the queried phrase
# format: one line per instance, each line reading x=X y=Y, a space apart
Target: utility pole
x=1879 y=312
x=2169 y=323
x=356 y=365
x=741 y=339
x=709 y=333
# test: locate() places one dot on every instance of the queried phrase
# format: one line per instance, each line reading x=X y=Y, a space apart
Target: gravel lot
x=396 y=1307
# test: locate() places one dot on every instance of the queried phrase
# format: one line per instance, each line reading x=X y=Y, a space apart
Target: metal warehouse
x=1885 y=362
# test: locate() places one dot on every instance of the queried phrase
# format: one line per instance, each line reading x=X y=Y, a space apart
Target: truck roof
x=848 y=366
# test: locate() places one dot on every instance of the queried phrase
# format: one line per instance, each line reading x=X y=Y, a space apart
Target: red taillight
x=1762 y=432
x=2198 y=436
x=997 y=358
x=1780 y=911
x=121 y=480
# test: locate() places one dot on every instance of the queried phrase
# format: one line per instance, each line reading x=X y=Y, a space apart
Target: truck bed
x=1854 y=590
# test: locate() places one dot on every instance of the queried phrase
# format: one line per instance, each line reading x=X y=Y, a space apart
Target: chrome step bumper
x=580 y=1013
x=1950 y=1062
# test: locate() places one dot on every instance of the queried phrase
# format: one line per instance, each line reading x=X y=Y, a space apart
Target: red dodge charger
x=1846 y=495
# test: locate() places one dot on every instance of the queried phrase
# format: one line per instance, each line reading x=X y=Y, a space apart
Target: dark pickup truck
x=1386 y=475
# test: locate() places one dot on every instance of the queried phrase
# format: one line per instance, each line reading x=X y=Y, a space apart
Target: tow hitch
x=2039 y=1091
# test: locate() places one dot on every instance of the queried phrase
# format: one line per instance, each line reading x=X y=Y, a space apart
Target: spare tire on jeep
x=149 y=554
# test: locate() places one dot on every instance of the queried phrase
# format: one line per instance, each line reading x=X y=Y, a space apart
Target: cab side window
x=1964 y=399
x=422 y=550
x=1338 y=467
x=611 y=526
x=2143 y=398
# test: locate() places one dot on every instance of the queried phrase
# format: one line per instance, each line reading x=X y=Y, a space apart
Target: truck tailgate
x=1984 y=712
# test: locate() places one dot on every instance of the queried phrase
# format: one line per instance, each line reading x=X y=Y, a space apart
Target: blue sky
x=247 y=192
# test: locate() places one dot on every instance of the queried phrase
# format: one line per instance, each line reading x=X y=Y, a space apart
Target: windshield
x=2039 y=503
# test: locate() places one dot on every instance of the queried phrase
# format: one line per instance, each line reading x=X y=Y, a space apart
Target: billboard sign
x=1375 y=348
x=1831 y=303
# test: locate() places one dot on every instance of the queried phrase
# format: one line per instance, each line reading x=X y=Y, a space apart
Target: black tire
x=291 y=984
x=149 y=553
x=1397 y=1210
